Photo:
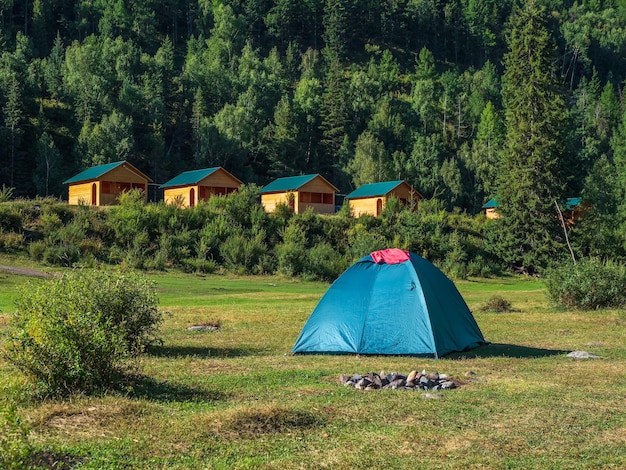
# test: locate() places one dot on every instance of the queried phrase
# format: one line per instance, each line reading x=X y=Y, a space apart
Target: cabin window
x=316 y=198
x=116 y=187
x=218 y=191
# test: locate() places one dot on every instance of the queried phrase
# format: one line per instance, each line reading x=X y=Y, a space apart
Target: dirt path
x=24 y=271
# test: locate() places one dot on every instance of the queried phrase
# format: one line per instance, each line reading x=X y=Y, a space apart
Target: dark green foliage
x=80 y=332
x=588 y=285
x=234 y=233
x=10 y=218
x=325 y=263
x=243 y=253
x=531 y=174
x=16 y=450
x=357 y=90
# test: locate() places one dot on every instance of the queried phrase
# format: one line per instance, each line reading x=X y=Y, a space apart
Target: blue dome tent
x=390 y=302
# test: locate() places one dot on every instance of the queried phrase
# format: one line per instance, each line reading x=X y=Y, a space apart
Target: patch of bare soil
x=25 y=271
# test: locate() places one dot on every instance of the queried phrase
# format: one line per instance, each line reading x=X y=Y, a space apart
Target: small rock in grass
x=432 y=396
x=447 y=385
x=203 y=328
x=433 y=376
x=583 y=355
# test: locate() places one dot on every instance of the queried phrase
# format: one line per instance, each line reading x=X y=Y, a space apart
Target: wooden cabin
x=371 y=199
x=491 y=208
x=102 y=185
x=574 y=209
x=299 y=193
x=199 y=185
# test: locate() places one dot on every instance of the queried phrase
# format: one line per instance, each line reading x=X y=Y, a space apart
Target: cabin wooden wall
x=491 y=213
x=221 y=179
x=173 y=195
x=366 y=206
x=317 y=208
x=272 y=200
x=81 y=193
x=122 y=174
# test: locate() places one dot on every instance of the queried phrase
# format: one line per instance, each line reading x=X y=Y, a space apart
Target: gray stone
x=432 y=396
x=344 y=379
x=433 y=376
x=396 y=383
x=583 y=355
x=203 y=328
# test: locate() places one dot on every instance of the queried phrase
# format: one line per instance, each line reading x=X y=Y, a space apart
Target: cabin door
x=94 y=194
x=192 y=197
x=379 y=207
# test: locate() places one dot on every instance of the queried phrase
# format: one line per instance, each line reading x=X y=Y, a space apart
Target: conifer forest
x=464 y=99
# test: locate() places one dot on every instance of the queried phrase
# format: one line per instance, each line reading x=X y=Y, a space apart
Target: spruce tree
x=530 y=173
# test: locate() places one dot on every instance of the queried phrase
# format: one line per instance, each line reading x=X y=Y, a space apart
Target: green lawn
x=236 y=398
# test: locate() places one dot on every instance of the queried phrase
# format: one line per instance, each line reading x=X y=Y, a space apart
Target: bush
x=11 y=218
x=80 y=332
x=243 y=253
x=291 y=254
x=497 y=304
x=324 y=263
x=15 y=448
x=588 y=285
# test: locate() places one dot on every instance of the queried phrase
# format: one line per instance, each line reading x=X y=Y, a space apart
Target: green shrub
x=364 y=241
x=497 y=304
x=589 y=284
x=198 y=265
x=324 y=263
x=242 y=253
x=11 y=241
x=11 y=218
x=37 y=249
x=6 y=193
x=291 y=254
x=66 y=254
x=15 y=448
x=80 y=332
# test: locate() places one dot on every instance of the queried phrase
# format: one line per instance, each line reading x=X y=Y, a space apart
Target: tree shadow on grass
x=505 y=350
x=202 y=352
x=147 y=388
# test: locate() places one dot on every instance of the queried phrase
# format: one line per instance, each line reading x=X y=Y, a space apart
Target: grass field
x=236 y=398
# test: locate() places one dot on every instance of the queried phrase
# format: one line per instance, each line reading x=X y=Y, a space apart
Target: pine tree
x=531 y=177
x=13 y=117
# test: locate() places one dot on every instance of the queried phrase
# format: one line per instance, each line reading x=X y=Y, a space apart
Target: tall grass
x=237 y=398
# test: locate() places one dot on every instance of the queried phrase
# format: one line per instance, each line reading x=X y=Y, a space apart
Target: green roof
x=93 y=172
x=190 y=177
x=374 y=189
x=289 y=183
x=572 y=203
x=491 y=204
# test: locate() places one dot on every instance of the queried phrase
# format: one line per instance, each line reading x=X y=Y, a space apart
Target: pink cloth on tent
x=390 y=256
